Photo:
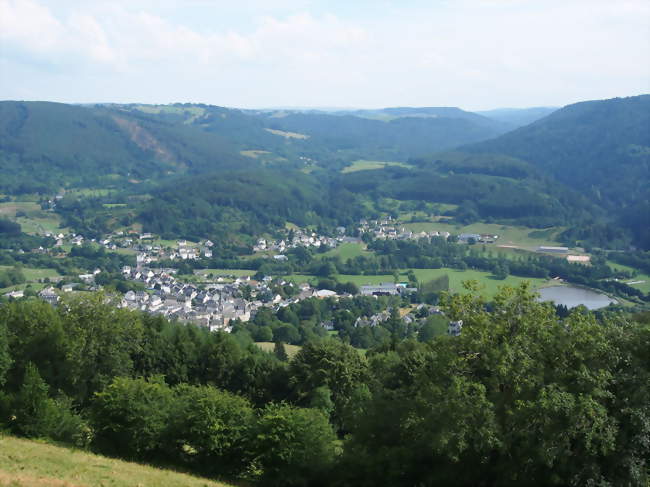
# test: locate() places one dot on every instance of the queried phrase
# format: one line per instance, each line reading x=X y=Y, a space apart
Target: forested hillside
x=397 y=138
x=600 y=148
x=249 y=202
x=47 y=146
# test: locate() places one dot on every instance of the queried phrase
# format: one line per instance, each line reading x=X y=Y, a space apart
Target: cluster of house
x=388 y=229
x=454 y=327
x=298 y=238
x=386 y=289
x=64 y=238
x=477 y=238
x=184 y=251
x=212 y=304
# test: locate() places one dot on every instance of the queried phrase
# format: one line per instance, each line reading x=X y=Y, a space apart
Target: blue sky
x=476 y=54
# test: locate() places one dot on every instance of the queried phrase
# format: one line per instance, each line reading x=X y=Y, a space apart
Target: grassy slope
x=32 y=463
x=346 y=251
x=36 y=221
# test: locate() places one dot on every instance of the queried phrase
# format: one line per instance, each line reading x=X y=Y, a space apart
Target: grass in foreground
x=32 y=463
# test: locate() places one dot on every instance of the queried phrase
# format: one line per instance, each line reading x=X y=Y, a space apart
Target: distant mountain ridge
x=45 y=145
x=517 y=117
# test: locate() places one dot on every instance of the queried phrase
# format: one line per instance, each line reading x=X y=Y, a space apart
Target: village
x=215 y=302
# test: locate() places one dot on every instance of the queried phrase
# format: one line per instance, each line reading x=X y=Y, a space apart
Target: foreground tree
x=521 y=397
x=330 y=364
x=294 y=446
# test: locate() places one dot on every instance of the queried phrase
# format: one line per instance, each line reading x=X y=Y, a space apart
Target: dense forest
x=521 y=396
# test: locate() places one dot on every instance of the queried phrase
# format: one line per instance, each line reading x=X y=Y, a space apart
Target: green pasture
x=347 y=251
x=635 y=281
x=364 y=165
x=31 y=217
x=34 y=274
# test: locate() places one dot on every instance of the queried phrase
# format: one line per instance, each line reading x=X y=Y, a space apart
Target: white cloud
x=476 y=53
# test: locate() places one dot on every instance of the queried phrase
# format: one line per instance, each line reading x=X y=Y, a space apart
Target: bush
x=130 y=417
x=209 y=429
x=36 y=415
x=294 y=446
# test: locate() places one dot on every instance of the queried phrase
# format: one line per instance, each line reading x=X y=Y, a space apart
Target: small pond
x=571 y=296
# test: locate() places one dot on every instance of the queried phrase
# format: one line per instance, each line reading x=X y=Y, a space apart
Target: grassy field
x=363 y=165
x=32 y=463
x=640 y=281
x=35 y=287
x=347 y=251
x=34 y=274
x=269 y=346
x=287 y=135
x=31 y=217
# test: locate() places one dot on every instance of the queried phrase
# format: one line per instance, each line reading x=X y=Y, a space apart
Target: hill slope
x=398 y=134
x=604 y=145
x=46 y=145
x=600 y=148
x=31 y=463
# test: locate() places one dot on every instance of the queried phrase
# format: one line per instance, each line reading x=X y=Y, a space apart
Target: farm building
x=555 y=250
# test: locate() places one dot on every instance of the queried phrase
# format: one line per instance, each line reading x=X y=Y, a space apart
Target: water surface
x=571 y=296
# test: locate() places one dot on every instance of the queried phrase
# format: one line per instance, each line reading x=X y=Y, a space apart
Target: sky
x=475 y=54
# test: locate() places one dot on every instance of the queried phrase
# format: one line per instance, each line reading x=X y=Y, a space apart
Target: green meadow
x=27 y=463
x=363 y=165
